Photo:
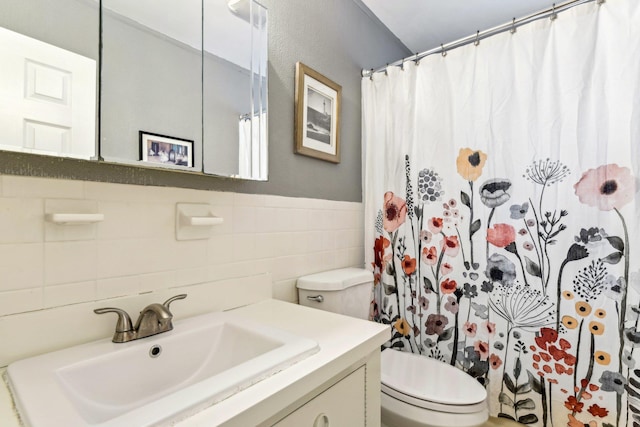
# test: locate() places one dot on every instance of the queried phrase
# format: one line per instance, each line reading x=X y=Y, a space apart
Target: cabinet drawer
x=342 y=405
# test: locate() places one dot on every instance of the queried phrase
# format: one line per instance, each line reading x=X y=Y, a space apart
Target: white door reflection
x=47 y=98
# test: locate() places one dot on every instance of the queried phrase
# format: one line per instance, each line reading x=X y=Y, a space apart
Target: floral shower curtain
x=503 y=218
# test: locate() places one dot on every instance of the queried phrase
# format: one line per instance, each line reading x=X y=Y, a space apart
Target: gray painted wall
x=335 y=37
x=149 y=82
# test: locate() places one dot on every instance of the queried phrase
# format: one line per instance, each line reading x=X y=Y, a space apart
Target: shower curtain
x=502 y=215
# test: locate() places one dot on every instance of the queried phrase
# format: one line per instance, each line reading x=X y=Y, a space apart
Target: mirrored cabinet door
x=48 y=77
x=235 y=89
x=151 y=83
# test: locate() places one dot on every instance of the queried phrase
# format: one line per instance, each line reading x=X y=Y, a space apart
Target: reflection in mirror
x=235 y=89
x=48 y=78
x=152 y=82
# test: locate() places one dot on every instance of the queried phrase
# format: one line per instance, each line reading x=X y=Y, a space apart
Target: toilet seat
x=430 y=384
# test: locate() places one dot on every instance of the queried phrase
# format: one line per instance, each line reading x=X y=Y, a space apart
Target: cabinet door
x=342 y=405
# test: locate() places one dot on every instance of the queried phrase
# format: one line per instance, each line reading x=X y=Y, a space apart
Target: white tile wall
x=134 y=250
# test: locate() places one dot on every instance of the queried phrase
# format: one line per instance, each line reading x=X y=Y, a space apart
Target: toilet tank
x=346 y=291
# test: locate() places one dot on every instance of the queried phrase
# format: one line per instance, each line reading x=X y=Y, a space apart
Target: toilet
x=416 y=391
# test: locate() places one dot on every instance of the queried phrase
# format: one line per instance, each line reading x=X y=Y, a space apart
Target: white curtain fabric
x=251 y=150
x=501 y=213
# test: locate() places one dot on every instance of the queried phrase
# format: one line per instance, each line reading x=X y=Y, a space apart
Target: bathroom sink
x=156 y=380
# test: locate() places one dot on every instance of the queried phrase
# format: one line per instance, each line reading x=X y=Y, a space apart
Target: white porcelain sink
x=204 y=360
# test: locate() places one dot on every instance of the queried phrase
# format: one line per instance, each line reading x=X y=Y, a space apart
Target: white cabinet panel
x=342 y=405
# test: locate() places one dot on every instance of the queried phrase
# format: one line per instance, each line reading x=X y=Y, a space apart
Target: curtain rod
x=479 y=35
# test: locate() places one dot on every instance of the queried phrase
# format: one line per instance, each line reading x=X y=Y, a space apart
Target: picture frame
x=166 y=151
x=317 y=115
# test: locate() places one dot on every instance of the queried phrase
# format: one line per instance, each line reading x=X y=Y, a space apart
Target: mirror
x=151 y=82
x=184 y=85
x=48 y=77
x=235 y=88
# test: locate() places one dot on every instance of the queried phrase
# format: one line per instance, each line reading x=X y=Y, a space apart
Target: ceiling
x=425 y=24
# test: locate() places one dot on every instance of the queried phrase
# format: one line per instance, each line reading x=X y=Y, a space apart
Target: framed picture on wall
x=162 y=150
x=317 y=115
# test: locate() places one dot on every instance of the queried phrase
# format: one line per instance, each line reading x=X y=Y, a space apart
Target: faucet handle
x=172 y=299
x=124 y=321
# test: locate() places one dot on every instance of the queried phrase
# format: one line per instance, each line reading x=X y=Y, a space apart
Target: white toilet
x=416 y=391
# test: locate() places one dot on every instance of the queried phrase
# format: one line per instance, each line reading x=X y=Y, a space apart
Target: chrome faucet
x=154 y=319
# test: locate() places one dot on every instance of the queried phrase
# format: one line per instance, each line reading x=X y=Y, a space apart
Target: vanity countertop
x=344 y=343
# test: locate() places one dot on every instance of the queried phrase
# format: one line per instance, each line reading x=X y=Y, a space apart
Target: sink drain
x=155 y=351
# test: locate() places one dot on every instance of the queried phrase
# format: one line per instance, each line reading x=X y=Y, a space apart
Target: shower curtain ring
x=554 y=15
x=386 y=72
x=444 y=51
x=477 y=42
x=402 y=65
x=600 y=2
x=513 y=26
x=371 y=75
x=417 y=61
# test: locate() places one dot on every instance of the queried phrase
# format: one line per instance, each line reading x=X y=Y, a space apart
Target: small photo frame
x=317 y=115
x=162 y=150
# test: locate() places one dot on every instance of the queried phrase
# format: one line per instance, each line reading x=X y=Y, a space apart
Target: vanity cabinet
x=341 y=405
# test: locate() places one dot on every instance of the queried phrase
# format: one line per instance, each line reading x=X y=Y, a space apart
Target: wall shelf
x=194 y=221
x=74 y=218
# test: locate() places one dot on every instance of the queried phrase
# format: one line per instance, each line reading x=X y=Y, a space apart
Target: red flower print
x=494 y=361
x=448 y=286
x=608 y=187
x=585 y=395
x=470 y=329
x=489 y=327
x=556 y=353
x=597 y=411
x=501 y=235
x=380 y=259
x=430 y=255
x=547 y=335
x=573 y=405
x=435 y=225
x=408 y=265
x=395 y=212
x=482 y=348
x=446 y=268
x=585 y=384
x=573 y=422
x=550 y=356
x=450 y=245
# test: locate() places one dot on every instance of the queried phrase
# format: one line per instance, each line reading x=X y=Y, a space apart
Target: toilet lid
x=429 y=383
